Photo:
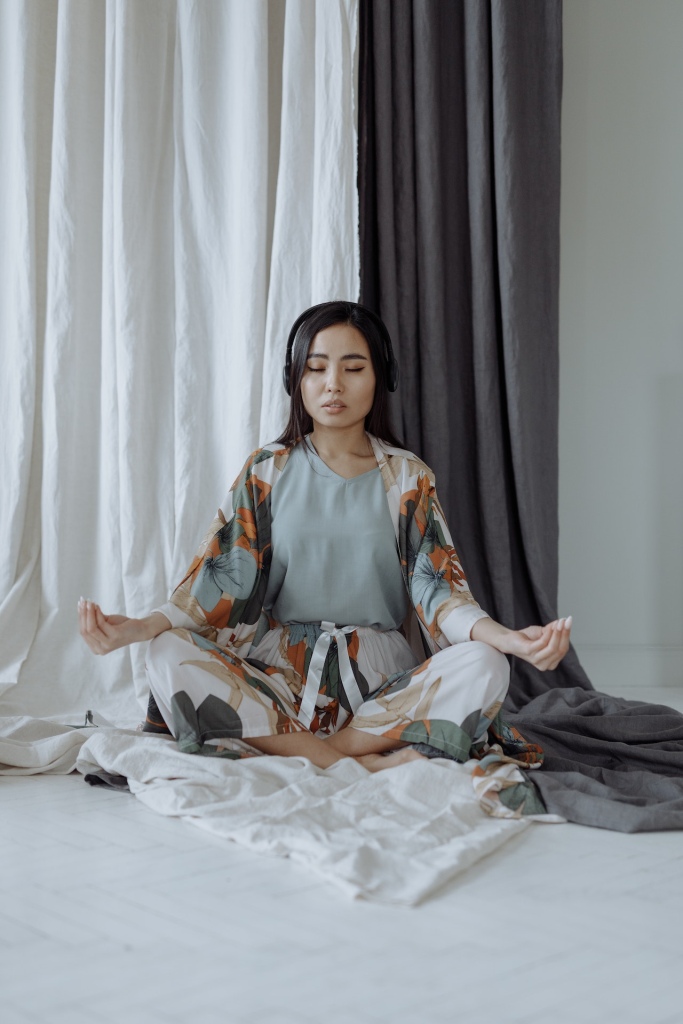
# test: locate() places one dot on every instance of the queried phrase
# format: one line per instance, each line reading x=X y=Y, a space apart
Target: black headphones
x=390 y=361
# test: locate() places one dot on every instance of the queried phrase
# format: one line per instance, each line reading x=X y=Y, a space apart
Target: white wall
x=621 y=340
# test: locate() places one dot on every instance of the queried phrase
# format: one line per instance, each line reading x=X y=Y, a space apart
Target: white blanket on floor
x=33 y=746
x=394 y=836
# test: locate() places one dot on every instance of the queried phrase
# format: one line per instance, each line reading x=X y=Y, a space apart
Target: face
x=338 y=384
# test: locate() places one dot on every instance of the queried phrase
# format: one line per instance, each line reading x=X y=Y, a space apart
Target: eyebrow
x=350 y=355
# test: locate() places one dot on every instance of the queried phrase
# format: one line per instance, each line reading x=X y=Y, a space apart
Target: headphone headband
x=391 y=365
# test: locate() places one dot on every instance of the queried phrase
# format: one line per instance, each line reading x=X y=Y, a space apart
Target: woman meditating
x=286 y=636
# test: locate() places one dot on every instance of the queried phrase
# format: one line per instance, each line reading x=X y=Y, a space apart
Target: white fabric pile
x=34 y=746
x=395 y=836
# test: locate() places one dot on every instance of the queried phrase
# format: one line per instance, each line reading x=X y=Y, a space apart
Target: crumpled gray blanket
x=609 y=762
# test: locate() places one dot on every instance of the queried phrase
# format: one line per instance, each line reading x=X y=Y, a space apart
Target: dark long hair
x=326 y=315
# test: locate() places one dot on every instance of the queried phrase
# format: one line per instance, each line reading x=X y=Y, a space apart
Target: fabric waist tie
x=315 y=670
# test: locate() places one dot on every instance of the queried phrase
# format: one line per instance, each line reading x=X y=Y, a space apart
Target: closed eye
x=349 y=369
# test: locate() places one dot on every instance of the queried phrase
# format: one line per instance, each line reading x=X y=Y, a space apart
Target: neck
x=339 y=442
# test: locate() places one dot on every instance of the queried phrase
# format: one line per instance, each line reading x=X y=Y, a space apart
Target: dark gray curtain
x=459 y=180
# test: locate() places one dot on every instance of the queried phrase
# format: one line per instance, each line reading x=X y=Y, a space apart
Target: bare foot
x=376 y=762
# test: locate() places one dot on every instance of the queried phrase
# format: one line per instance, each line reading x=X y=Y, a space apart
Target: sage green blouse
x=334 y=551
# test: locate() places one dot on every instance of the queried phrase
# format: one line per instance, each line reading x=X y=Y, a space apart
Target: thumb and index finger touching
x=554 y=635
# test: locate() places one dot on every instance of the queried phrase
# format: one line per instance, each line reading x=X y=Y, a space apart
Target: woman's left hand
x=542 y=646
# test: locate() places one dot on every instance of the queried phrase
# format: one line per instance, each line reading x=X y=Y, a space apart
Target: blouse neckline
x=347 y=479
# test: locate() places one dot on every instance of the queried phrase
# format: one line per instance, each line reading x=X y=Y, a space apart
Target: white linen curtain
x=178 y=181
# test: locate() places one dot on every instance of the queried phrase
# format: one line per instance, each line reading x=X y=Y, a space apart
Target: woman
x=285 y=636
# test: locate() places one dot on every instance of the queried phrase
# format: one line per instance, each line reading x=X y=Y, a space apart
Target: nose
x=333 y=383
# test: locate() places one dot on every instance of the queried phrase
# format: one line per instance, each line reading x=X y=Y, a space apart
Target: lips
x=334 y=405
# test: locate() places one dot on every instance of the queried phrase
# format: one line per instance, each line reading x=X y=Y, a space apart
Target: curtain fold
x=152 y=211
x=27 y=61
x=312 y=261
x=459 y=176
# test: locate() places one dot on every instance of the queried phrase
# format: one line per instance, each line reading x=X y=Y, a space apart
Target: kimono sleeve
x=225 y=585
x=437 y=584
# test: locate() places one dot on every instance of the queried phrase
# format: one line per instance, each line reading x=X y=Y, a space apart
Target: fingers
x=91 y=620
x=101 y=620
x=533 y=632
x=544 y=637
x=85 y=625
x=558 y=646
x=563 y=625
x=552 y=653
x=92 y=625
x=548 y=650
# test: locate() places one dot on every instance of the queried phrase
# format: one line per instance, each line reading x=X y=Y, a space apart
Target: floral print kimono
x=227 y=671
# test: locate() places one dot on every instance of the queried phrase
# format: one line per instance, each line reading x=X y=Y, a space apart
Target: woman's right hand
x=105 y=633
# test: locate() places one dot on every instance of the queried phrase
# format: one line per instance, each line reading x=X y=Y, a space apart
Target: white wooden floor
x=109 y=913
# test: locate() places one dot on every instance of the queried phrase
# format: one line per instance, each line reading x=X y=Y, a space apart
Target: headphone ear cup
x=287 y=369
x=390 y=363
